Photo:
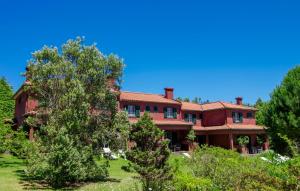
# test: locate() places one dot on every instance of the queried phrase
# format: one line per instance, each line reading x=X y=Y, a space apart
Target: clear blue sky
x=215 y=50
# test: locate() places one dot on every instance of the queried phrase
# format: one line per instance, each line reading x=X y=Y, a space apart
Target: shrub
x=228 y=170
x=191 y=135
x=188 y=182
x=243 y=140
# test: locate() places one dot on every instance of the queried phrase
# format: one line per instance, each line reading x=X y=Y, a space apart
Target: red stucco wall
x=246 y=121
x=156 y=116
x=214 y=118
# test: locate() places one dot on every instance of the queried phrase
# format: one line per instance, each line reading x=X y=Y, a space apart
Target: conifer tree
x=282 y=114
x=150 y=154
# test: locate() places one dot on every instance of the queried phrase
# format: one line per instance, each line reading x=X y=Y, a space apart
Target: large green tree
x=6 y=114
x=150 y=154
x=282 y=114
x=77 y=109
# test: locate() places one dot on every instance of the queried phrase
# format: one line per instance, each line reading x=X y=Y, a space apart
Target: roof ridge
x=222 y=104
x=210 y=102
x=142 y=93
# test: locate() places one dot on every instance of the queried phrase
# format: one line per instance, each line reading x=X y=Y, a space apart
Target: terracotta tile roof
x=164 y=122
x=224 y=105
x=191 y=106
x=143 y=97
x=229 y=127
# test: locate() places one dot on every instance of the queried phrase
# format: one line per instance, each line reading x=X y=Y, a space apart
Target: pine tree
x=150 y=154
x=282 y=114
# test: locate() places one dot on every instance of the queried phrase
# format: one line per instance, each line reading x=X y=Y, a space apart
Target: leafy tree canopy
x=77 y=109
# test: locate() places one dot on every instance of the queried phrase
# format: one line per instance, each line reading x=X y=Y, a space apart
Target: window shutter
x=147 y=108
x=185 y=116
x=241 y=117
x=125 y=107
x=194 y=118
x=137 y=111
x=174 y=113
x=165 y=112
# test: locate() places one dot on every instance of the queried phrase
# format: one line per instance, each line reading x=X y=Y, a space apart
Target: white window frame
x=190 y=118
x=131 y=110
x=170 y=113
x=236 y=118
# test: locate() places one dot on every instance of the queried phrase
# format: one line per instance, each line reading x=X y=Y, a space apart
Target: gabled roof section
x=224 y=105
x=144 y=97
x=19 y=92
x=191 y=106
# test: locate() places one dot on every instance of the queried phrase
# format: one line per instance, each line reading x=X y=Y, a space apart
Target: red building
x=216 y=123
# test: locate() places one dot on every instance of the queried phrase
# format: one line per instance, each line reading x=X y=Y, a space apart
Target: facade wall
x=214 y=118
x=220 y=140
x=20 y=108
x=198 y=116
x=155 y=115
x=246 y=121
x=23 y=105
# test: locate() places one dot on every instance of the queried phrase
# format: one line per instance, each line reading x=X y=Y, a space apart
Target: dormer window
x=237 y=117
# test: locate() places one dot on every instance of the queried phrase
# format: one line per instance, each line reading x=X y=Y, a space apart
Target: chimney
x=169 y=93
x=239 y=100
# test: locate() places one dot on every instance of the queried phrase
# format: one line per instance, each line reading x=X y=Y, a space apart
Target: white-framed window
x=170 y=112
x=189 y=117
x=237 y=117
x=131 y=110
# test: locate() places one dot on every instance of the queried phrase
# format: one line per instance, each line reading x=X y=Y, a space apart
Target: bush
x=188 y=182
x=228 y=170
x=64 y=161
x=243 y=140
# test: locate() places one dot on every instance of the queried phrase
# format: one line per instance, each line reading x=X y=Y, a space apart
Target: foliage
x=229 y=170
x=259 y=115
x=6 y=113
x=282 y=113
x=122 y=126
x=77 y=108
x=150 y=153
x=191 y=135
x=260 y=139
x=13 y=141
x=186 y=99
x=243 y=140
x=184 y=181
x=196 y=100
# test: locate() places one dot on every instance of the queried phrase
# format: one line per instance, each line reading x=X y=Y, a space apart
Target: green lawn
x=12 y=177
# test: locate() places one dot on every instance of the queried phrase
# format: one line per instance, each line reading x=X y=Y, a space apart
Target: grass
x=12 y=177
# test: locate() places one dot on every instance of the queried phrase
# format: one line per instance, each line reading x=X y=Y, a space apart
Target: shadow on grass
x=29 y=183
x=5 y=164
